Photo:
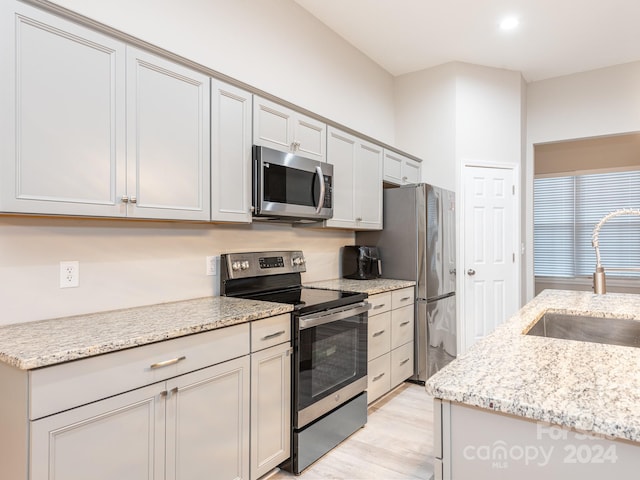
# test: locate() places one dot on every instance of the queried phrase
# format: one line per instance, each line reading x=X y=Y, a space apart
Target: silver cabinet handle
x=378 y=377
x=377 y=334
x=376 y=307
x=166 y=363
x=405 y=323
x=322 y=189
x=471 y=272
x=133 y=199
x=274 y=335
x=125 y=199
x=404 y=299
x=404 y=361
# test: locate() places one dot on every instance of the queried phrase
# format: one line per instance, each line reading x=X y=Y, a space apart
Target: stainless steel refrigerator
x=418 y=243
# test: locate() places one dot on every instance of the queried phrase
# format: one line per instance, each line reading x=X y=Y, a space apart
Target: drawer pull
x=377 y=307
x=166 y=363
x=377 y=334
x=404 y=361
x=274 y=335
x=404 y=299
x=405 y=323
x=378 y=377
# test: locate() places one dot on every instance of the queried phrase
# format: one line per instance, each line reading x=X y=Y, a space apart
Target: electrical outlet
x=212 y=265
x=69 y=274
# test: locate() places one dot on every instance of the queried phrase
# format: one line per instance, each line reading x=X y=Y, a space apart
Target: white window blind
x=566 y=209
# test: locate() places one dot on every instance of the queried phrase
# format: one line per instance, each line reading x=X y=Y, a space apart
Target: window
x=566 y=210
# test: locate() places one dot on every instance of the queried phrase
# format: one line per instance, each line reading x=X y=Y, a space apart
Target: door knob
x=471 y=272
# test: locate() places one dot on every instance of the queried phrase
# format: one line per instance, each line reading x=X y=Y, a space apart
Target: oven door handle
x=313 y=320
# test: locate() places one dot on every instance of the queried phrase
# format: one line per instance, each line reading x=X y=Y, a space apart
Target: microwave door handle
x=322 y=189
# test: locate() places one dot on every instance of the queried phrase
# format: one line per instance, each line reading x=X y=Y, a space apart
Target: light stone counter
x=47 y=342
x=586 y=386
x=370 y=287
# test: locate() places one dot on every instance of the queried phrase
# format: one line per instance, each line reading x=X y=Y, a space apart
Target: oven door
x=330 y=364
x=291 y=186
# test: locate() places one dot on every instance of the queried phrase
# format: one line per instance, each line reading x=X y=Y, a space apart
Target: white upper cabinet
x=168 y=166
x=400 y=170
x=70 y=96
x=62 y=128
x=230 y=153
x=283 y=129
x=357 y=188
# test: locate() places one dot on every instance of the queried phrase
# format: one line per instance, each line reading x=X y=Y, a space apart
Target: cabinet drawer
x=71 y=384
x=405 y=296
x=379 y=377
x=379 y=303
x=379 y=335
x=402 y=326
x=401 y=364
x=270 y=331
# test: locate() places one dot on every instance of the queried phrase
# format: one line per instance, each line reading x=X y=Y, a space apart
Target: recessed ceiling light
x=509 y=23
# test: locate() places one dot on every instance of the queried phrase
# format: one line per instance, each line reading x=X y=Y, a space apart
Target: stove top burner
x=306 y=300
x=275 y=277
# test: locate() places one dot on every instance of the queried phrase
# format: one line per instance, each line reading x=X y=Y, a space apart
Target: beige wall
x=125 y=264
x=612 y=152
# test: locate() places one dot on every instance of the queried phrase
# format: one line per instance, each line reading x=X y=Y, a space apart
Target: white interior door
x=490 y=277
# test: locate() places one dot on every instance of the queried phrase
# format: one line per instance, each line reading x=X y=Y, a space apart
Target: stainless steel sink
x=612 y=331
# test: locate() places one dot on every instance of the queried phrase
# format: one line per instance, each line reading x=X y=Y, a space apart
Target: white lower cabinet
x=215 y=404
x=191 y=427
x=121 y=437
x=270 y=394
x=390 y=341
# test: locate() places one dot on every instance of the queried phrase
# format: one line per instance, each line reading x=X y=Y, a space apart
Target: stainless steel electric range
x=329 y=365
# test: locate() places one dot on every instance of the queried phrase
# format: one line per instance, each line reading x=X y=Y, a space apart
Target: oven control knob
x=235 y=266
x=298 y=261
x=244 y=265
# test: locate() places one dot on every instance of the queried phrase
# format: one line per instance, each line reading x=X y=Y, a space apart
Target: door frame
x=464 y=230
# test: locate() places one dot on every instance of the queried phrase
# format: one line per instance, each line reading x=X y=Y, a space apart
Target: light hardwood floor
x=395 y=444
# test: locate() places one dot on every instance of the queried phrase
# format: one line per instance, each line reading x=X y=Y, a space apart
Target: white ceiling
x=554 y=38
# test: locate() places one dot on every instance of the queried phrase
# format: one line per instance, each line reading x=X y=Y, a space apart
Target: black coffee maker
x=361 y=262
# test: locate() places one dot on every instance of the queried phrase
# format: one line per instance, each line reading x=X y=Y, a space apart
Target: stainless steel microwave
x=290 y=188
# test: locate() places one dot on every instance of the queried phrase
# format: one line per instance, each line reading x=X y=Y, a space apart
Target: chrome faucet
x=599 y=281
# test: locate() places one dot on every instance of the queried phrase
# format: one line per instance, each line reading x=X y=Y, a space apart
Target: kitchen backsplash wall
x=124 y=263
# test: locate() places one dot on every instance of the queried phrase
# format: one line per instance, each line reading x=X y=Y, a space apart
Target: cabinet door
x=310 y=137
x=368 y=186
x=402 y=323
x=379 y=335
x=208 y=423
x=62 y=101
x=273 y=125
x=392 y=167
x=411 y=172
x=121 y=437
x=401 y=364
x=230 y=153
x=341 y=153
x=286 y=130
x=270 y=408
x=168 y=166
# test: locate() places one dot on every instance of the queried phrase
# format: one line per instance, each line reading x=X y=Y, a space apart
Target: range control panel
x=255 y=264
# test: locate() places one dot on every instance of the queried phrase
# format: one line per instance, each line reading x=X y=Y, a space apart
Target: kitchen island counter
x=588 y=387
x=48 y=342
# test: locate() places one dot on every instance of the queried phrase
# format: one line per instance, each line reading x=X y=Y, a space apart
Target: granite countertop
x=47 y=342
x=370 y=287
x=586 y=386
